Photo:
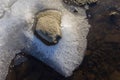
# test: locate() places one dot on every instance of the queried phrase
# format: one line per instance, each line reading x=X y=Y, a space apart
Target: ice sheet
x=16 y=34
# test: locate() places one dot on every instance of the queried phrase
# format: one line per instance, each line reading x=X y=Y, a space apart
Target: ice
x=16 y=34
x=11 y=41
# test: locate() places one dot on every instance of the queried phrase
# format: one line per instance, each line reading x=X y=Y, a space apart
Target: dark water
x=102 y=57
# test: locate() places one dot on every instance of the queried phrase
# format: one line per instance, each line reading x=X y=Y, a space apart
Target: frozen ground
x=16 y=22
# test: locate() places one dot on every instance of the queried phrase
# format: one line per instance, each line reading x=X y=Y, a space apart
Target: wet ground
x=102 y=57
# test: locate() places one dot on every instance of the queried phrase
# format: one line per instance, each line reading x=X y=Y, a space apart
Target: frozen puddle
x=16 y=22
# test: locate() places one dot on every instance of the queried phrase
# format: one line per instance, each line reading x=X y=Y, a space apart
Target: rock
x=48 y=25
x=79 y=2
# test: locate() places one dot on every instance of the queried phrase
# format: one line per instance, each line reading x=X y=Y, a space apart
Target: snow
x=16 y=22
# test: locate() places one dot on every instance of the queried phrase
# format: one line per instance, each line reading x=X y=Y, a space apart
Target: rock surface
x=48 y=25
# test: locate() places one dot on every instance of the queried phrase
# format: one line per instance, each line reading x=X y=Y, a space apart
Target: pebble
x=48 y=25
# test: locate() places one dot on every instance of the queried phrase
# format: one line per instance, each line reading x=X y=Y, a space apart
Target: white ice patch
x=16 y=34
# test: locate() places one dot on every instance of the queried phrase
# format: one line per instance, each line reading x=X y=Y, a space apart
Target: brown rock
x=48 y=25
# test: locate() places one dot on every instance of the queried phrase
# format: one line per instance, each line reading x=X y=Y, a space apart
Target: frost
x=16 y=34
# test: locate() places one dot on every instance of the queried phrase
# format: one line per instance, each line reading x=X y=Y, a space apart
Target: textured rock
x=48 y=25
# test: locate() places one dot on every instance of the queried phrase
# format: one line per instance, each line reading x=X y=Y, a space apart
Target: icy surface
x=16 y=22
